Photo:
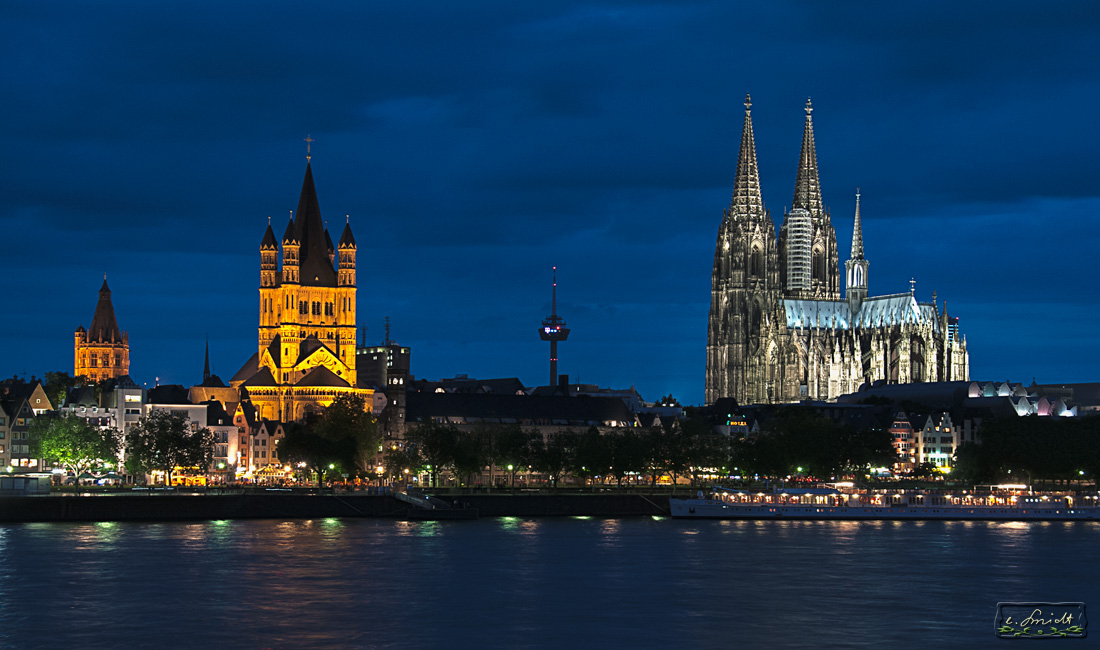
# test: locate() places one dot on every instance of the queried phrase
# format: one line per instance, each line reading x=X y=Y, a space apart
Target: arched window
x=756 y=263
x=819 y=265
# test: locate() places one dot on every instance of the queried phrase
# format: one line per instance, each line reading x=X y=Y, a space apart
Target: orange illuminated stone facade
x=103 y=350
x=306 y=349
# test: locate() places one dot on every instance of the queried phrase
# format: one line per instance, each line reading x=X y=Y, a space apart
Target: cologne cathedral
x=779 y=330
x=305 y=354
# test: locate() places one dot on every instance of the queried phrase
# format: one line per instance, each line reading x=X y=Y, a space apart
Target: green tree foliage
x=434 y=445
x=57 y=385
x=822 y=448
x=342 y=439
x=512 y=447
x=164 y=441
x=72 y=443
x=554 y=453
x=628 y=453
x=593 y=457
x=1033 y=448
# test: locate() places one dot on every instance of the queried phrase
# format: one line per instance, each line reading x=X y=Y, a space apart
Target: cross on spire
x=309 y=141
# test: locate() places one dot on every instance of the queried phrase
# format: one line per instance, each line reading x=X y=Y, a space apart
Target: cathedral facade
x=103 y=350
x=305 y=354
x=779 y=330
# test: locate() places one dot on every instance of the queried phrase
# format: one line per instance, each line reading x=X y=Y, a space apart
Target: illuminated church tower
x=306 y=349
x=103 y=350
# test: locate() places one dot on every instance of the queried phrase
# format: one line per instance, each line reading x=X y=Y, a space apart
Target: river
x=531 y=583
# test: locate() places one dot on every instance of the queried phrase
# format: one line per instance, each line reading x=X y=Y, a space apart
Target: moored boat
x=835 y=503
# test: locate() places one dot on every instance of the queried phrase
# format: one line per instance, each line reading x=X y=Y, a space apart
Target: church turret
x=347 y=257
x=291 y=249
x=856 y=266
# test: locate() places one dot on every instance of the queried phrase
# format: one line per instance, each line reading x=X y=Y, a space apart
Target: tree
x=554 y=454
x=57 y=385
x=628 y=452
x=348 y=418
x=72 y=443
x=165 y=441
x=341 y=439
x=434 y=444
x=511 y=448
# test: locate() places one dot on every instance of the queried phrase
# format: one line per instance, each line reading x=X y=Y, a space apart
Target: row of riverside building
x=779 y=332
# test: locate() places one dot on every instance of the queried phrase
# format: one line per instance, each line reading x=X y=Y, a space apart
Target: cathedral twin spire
x=747 y=198
x=746 y=185
x=807 y=188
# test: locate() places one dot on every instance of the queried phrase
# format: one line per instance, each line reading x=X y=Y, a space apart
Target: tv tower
x=553 y=329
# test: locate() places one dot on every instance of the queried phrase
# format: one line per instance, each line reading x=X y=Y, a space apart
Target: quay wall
x=185 y=507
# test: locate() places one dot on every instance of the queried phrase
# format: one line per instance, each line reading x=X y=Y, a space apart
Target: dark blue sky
x=475 y=145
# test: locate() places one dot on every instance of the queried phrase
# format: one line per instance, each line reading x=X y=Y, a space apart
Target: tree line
x=1032 y=448
x=798 y=442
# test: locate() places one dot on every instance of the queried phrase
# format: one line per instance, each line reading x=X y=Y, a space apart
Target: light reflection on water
x=515 y=582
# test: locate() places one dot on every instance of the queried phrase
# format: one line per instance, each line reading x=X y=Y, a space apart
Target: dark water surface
x=533 y=583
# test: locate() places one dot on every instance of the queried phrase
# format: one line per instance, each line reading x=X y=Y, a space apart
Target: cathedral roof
x=874 y=312
x=328 y=243
x=248 y=369
x=807 y=187
x=746 y=185
x=104 y=328
x=322 y=376
x=316 y=269
x=308 y=346
x=261 y=378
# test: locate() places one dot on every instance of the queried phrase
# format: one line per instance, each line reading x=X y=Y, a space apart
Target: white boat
x=833 y=503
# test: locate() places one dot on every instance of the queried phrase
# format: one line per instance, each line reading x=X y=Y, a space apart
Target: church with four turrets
x=779 y=330
x=306 y=349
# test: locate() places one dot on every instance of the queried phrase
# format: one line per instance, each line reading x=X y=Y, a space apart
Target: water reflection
x=529 y=582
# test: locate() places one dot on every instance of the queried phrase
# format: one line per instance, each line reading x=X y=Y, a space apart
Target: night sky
x=476 y=145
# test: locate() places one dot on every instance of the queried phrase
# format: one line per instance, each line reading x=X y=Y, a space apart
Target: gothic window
x=118 y=359
x=819 y=265
x=95 y=360
x=303 y=308
x=756 y=263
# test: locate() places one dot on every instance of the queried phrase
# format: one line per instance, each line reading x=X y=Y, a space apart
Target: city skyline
x=476 y=148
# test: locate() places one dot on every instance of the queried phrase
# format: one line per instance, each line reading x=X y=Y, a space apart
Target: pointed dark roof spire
x=328 y=242
x=104 y=327
x=289 y=237
x=317 y=270
x=857 y=233
x=347 y=240
x=807 y=188
x=206 y=365
x=746 y=198
x=269 y=242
